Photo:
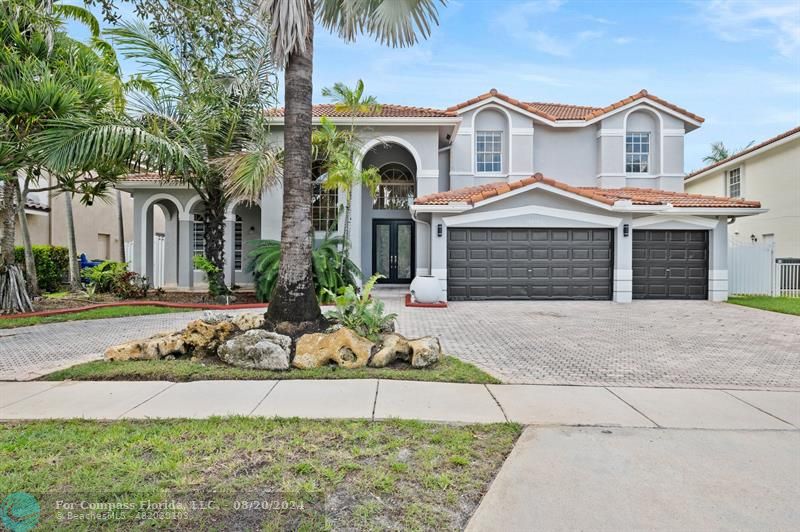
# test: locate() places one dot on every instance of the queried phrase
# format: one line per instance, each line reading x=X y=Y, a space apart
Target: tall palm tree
x=200 y=126
x=291 y=24
x=343 y=173
x=718 y=153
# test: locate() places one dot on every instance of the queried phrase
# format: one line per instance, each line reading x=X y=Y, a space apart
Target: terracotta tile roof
x=34 y=205
x=638 y=196
x=563 y=111
x=153 y=177
x=387 y=110
x=557 y=111
x=742 y=153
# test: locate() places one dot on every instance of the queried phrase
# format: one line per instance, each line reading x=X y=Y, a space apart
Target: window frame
x=331 y=212
x=728 y=185
x=496 y=142
x=238 y=243
x=646 y=154
x=198 y=219
x=380 y=200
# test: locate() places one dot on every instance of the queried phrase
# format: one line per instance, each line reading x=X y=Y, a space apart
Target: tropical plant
x=51 y=263
x=362 y=313
x=331 y=270
x=213 y=273
x=291 y=27
x=105 y=275
x=203 y=124
x=719 y=152
x=44 y=75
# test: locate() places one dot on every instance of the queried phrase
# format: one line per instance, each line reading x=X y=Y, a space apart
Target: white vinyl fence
x=787 y=279
x=158 y=262
x=750 y=268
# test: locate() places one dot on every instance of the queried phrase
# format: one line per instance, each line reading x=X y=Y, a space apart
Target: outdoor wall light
x=626 y=229
x=439 y=230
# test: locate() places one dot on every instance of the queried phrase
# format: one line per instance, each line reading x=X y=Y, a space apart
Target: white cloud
x=622 y=40
x=777 y=21
x=522 y=22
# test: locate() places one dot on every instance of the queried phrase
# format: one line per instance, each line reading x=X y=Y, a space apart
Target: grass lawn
x=94 y=314
x=320 y=475
x=450 y=369
x=784 y=305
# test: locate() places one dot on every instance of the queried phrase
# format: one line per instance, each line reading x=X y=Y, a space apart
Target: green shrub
x=329 y=275
x=212 y=274
x=52 y=265
x=360 y=312
x=114 y=278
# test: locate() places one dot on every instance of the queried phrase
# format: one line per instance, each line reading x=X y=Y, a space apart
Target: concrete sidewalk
x=428 y=401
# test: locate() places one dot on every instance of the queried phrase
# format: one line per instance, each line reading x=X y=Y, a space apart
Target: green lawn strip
x=450 y=369
x=93 y=314
x=355 y=475
x=784 y=305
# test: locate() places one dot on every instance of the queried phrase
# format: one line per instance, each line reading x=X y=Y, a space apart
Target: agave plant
x=332 y=271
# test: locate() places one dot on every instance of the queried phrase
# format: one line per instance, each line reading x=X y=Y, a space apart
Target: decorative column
x=718 y=261
x=185 y=255
x=623 y=261
x=230 y=225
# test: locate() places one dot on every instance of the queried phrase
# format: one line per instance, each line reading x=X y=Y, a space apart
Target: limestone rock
x=213 y=317
x=206 y=337
x=343 y=347
x=257 y=349
x=248 y=321
x=393 y=347
x=157 y=346
x=425 y=351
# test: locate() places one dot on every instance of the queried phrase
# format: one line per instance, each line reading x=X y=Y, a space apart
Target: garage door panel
x=670 y=264
x=530 y=264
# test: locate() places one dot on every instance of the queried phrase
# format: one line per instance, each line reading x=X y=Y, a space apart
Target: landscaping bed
x=784 y=305
x=316 y=475
x=450 y=369
x=66 y=300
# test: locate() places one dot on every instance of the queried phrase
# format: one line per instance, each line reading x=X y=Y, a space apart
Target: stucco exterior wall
x=773 y=178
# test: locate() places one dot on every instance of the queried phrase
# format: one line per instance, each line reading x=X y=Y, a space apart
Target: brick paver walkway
x=647 y=343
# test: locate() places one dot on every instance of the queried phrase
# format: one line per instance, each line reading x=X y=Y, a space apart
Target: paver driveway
x=646 y=343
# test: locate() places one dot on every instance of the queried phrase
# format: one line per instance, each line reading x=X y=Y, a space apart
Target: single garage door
x=528 y=264
x=670 y=264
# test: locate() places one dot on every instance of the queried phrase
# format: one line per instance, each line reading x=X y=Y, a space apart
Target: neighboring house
x=96 y=226
x=769 y=172
x=463 y=199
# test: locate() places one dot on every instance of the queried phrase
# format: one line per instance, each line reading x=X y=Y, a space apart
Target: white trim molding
x=389 y=139
x=608 y=132
x=595 y=220
x=428 y=173
x=647 y=221
x=522 y=131
x=674 y=133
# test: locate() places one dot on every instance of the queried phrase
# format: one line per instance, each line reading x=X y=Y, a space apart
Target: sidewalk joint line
x=762 y=410
x=375 y=401
x=263 y=398
x=55 y=385
x=502 y=410
x=149 y=398
x=634 y=408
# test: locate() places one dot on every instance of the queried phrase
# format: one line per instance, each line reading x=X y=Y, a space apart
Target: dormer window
x=637 y=152
x=489 y=151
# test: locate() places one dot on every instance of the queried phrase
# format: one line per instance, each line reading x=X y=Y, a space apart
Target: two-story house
x=499 y=199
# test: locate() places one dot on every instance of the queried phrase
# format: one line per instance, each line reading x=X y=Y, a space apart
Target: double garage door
x=508 y=263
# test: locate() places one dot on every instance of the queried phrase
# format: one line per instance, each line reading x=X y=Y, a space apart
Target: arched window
x=324 y=203
x=397 y=188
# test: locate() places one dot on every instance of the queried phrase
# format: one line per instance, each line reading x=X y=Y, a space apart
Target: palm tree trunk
x=74 y=269
x=120 y=227
x=214 y=226
x=30 y=262
x=348 y=205
x=294 y=299
x=13 y=295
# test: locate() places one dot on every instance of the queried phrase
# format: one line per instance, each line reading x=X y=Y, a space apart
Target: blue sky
x=734 y=62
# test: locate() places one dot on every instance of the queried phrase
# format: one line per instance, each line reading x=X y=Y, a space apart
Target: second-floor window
x=489 y=151
x=735 y=183
x=637 y=153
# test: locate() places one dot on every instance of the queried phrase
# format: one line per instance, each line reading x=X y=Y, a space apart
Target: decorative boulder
x=248 y=321
x=257 y=349
x=425 y=351
x=157 y=346
x=393 y=347
x=343 y=347
x=213 y=317
x=207 y=337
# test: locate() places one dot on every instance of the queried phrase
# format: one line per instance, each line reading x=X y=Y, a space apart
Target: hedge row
x=52 y=265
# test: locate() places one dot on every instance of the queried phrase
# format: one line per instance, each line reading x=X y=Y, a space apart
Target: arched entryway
x=161 y=236
x=388 y=244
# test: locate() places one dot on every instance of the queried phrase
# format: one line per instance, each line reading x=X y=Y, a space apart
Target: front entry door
x=393 y=250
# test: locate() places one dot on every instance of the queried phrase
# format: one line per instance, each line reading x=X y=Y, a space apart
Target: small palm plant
x=331 y=270
x=362 y=313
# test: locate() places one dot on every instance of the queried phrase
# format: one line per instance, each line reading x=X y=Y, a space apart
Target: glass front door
x=393 y=250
